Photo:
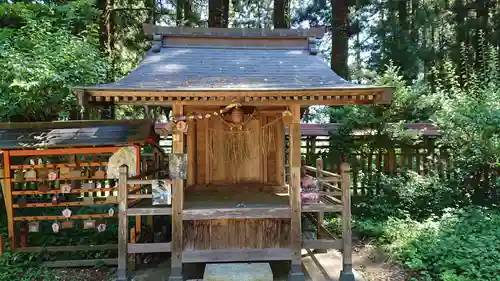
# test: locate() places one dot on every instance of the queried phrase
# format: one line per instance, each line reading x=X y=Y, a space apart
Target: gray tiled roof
x=74 y=134
x=213 y=68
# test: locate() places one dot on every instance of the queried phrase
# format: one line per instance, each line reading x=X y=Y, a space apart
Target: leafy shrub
x=461 y=245
x=407 y=194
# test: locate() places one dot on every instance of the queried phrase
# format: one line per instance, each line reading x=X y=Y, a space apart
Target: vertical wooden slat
x=177 y=207
x=122 y=224
x=132 y=237
x=138 y=219
x=346 y=274
x=280 y=153
x=7 y=186
x=320 y=215
x=295 y=204
x=191 y=151
x=208 y=173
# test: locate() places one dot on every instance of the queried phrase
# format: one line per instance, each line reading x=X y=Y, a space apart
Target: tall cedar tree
x=218 y=13
x=281 y=18
x=340 y=37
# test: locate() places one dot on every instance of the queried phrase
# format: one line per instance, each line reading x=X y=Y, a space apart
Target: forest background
x=443 y=57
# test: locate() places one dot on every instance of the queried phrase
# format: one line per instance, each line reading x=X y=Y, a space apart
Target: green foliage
x=23 y=267
x=44 y=62
x=408 y=195
x=460 y=245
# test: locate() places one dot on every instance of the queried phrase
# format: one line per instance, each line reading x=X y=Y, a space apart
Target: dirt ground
x=372 y=264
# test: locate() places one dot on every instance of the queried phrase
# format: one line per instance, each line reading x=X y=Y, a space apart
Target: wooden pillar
x=7 y=193
x=138 y=219
x=296 y=273
x=2 y=245
x=177 y=208
x=346 y=274
x=320 y=215
x=122 y=224
x=191 y=151
x=82 y=99
x=280 y=153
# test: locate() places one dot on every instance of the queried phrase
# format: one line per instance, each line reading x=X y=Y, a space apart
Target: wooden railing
x=130 y=245
x=332 y=199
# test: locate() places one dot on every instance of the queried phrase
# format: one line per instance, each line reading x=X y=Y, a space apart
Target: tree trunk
x=218 y=13
x=460 y=13
x=189 y=17
x=178 y=14
x=340 y=38
x=281 y=13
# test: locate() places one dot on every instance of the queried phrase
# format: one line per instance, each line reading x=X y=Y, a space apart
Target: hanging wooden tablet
x=34 y=226
x=88 y=224
x=65 y=188
x=52 y=175
x=111 y=212
x=55 y=200
x=67 y=224
x=76 y=173
x=55 y=227
x=64 y=172
x=88 y=200
x=21 y=202
x=19 y=176
x=88 y=185
x=100 y=173
x=101 y=227
x=31 y=174
x=111 y=199
x=43 y=173
x=66 y=213
x=43 y=187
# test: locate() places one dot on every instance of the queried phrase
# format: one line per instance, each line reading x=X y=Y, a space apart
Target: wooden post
x=346 y=274
x=280 y=154
x=7 y=189
x=2 y=245
x=296 y=273
x=191 y=150
x=122 y=224
x=320 y=215
x=132 y=238
x=138 y=219
x=177 y=208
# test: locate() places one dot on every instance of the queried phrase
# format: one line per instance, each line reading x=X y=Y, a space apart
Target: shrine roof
x=224 y=68
x=33 y=135
x=198 y=60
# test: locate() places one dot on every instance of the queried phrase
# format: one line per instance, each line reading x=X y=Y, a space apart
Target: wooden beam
x=149 y=248
x=79 y=263
x=295 y=201
x=7 y=193
x=122 y=224
x=177 y=208
x=320 y=215
x=149 y=211
x=150 y=29
x=64 y=151
x=77 y=248
x=321 y=207
x=237 y=213
x=231 y=255
x=73 y=217
x=322 y=244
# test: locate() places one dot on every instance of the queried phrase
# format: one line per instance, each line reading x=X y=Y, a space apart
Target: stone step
x=238 y=272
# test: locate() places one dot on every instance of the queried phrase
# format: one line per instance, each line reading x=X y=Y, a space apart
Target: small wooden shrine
x=56 y=176
x=232 y=92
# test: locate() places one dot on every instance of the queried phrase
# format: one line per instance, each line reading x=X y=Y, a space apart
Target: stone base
x=347 y=276
x=238 y=272
x=297 y=276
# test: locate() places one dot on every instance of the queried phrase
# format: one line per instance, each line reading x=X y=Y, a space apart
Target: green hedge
x=461 y=245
